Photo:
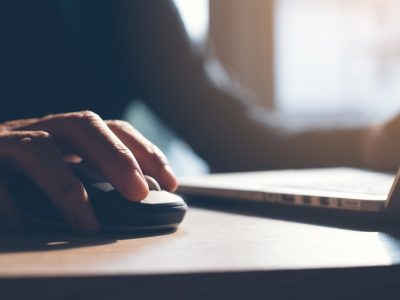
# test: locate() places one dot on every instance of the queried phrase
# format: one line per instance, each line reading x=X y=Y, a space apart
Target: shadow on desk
x=63 y=239
x=388 y=230
x=315 y=216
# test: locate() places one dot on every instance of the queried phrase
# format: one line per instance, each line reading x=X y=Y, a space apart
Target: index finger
x=89 y=137
x=152 y=160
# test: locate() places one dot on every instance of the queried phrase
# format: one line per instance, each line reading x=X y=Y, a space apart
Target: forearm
x=218 y=118
x=225 y=126
x=221 y=121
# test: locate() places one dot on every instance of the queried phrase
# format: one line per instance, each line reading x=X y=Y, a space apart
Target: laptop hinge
x=393 y=200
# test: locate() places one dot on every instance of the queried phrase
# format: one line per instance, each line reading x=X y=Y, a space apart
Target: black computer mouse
x=159 y=210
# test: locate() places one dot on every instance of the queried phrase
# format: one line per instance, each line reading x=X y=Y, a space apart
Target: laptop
x=331 y=188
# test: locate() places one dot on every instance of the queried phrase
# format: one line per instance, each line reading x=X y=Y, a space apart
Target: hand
x=381 y=146
x=39 y=148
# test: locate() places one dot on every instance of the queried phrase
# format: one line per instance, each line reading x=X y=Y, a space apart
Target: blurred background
x=310 y=58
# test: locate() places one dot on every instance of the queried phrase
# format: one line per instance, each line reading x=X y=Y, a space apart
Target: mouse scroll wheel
x=152 y=183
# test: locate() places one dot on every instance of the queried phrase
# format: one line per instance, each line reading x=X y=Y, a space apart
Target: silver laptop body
x=332 y=188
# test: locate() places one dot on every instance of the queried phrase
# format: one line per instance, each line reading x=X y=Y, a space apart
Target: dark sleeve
x=212 y=113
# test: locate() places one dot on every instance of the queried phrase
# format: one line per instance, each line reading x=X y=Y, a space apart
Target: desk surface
x=208 y=242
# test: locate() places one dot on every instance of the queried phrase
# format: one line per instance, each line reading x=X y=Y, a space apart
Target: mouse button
x=162 y=197
x=152 y=183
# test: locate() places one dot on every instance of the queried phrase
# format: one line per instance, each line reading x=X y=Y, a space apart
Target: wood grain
x=210 y=244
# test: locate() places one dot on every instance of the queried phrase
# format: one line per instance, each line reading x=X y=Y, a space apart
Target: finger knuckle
x=34 y=139
x=38 y=136
x=84 y=117
x=123 y=158
x=123 y=153
x=88 y=115
x=119 y=123
x=156 y=155
x=37 y=143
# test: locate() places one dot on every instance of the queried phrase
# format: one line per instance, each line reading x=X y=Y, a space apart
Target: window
x=194 y=14
x=337 y=55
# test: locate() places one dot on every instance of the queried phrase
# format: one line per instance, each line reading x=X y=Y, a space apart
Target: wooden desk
x=240 y=252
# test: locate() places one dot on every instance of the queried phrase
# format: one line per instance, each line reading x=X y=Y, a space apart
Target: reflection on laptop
x=333 y=188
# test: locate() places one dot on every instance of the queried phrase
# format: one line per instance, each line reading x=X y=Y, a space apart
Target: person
x=65 y=63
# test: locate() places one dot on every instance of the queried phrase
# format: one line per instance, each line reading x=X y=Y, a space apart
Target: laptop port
x=288 y=198
x=307 y=199
x=324 y=201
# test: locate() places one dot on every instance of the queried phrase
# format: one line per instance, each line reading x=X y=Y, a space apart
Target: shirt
x=59 y=56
